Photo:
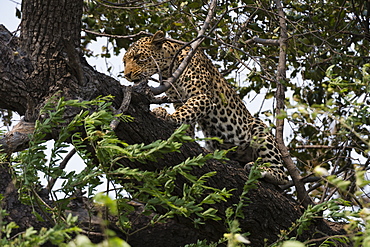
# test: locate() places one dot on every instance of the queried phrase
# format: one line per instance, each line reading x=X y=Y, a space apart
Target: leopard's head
x=148 y=56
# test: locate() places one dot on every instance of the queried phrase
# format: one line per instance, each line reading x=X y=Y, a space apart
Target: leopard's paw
x=160 y=112
x=274 y=176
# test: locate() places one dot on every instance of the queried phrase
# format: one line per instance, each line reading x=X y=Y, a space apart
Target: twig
x=280 y=97
x=272 y=79
x=307 y=179
x=334 y=172
x=127 y=92
x=62 y=165
x=320 y=147
x=263 y=41
x=133 y=36
x=315 y=240
x=123 y=5
x=118 y=36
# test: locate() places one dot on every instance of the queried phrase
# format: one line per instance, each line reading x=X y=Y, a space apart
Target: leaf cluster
x=57 y=235
x=102 y=152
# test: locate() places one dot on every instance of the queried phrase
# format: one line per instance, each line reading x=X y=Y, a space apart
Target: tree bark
x=46 y=61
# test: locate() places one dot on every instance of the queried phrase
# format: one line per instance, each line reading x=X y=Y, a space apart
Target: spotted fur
x=208 y=100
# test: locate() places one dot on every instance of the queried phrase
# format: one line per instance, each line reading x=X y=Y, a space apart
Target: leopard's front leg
x=190 y=112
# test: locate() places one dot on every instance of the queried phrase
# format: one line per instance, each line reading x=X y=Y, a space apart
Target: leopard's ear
x=158 y=39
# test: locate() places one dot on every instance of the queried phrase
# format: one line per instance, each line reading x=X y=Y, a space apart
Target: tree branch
x=124 y=5
x=307 y=179
x=118 y=36
x=62 y=165
x=322 y=147
x=280 y=97
x=14 y=67
x=17 y=139
x=263 y=41
x=194 y=45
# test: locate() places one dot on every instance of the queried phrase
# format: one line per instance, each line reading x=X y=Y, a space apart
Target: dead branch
x=307 y=179
x=127 y=91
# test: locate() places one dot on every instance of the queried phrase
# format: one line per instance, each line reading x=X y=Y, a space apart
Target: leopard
x=207 y=99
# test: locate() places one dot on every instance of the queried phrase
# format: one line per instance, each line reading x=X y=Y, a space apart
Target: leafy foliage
x=327 y=61
x=345 y=116
x=152 y=189
x=57 y=235
x=320 y=34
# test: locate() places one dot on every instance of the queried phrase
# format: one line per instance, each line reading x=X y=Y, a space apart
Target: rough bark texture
x=46 y=60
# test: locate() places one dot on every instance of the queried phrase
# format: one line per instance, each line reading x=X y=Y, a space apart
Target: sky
x=7 y=14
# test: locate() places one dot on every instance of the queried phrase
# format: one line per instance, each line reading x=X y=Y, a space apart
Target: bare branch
x=117 y=36
x=263 y=41
x=270 y=78
x=320 y=147
x=280 y=97
x=307 y=179
x=194 y=45
x=62 y=165
x=124 y=5
x=127 y=91
x=133 y=36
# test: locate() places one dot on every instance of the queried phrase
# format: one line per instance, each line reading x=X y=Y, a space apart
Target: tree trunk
x=46 y=61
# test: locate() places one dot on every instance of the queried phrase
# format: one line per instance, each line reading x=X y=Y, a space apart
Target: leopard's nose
x=128 y=75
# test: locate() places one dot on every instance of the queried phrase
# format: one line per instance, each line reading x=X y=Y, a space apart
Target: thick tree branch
x=280 y=105
x=17 y=139
x=54 y=49
x=14 y=67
